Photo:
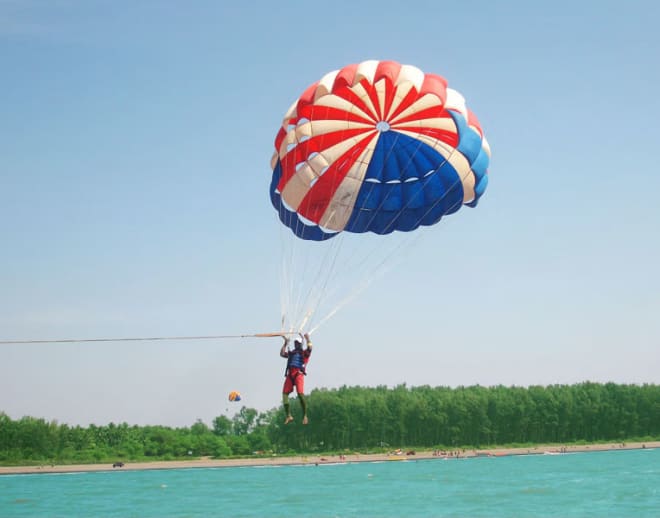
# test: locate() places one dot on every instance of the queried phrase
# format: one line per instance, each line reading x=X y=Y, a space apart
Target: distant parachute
x=234 y=396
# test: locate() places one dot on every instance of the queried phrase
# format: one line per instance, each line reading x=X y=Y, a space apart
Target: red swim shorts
x=294 y=378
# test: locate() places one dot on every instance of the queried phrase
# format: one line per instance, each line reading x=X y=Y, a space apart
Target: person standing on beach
x=297 y=359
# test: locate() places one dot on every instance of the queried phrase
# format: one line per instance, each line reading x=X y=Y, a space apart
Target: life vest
x=296 y=360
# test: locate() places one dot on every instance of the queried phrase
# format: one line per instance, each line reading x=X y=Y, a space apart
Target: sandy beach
x=276 y=460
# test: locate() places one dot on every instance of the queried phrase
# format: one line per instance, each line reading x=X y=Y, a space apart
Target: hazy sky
x=135 y=145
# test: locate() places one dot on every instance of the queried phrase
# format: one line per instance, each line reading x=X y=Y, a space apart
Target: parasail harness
x=295 y=360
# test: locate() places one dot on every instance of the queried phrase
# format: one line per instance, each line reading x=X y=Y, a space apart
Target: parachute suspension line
x=372 y=273
x=366 y=272
x=339 y=241
x=327 y=266
x=303 y=306
x=386 y=264
x=288 y=255
x=288 y=270
x=296 y=263
x=304 y=301
x=326 y=272
x=297 y=268
x=414 y=237
x=382 y=268
x=284 y=273
x=324 y=280
x=298 y=305
x=293 y=266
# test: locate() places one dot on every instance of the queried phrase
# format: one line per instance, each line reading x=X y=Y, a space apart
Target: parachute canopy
x=234 y=396
x=376 y=147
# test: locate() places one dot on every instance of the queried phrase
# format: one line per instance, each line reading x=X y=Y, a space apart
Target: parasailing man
x=297 y=359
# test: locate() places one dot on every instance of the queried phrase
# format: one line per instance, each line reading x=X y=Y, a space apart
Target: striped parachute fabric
x=376 y=147
x=234 y=396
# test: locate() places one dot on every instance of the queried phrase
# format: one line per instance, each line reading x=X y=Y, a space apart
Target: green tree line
x=361 y=419
x=358 y=418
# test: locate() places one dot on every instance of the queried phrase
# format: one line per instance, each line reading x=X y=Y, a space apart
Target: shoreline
x=275 y=460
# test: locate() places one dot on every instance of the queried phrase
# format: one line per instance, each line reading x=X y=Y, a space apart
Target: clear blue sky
x=135 y=140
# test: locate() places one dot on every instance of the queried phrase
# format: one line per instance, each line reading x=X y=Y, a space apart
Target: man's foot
x=288 y=419
x=305 y=421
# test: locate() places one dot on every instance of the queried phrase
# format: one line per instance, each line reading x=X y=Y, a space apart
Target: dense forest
x=360 y=419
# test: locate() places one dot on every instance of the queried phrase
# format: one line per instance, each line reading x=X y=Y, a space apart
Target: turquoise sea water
x=616 y=483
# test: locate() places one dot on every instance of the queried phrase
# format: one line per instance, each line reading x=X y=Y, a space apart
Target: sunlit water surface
x=622 y=483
